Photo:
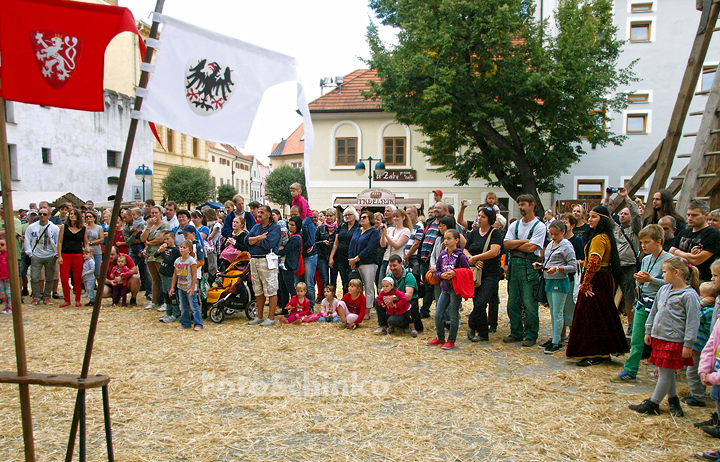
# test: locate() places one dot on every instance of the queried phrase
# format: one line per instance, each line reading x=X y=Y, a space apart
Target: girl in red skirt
x=671 y=329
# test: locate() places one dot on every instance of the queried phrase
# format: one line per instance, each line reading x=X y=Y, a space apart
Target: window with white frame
x=590 y=189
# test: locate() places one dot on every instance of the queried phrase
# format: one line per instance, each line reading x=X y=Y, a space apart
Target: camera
x=611 y=190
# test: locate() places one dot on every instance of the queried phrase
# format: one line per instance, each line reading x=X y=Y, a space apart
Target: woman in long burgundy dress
x=597 y=331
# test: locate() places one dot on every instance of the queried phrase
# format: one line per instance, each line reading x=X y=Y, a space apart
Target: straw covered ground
x=314 y=392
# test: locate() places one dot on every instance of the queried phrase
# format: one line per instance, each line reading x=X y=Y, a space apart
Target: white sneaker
x=380 y=330
x=268 y=322
x=151 y=306
x=256 y=320
x=162 y=307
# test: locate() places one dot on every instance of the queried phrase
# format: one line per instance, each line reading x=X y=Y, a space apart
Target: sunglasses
x=44 y=214
x=363 y=216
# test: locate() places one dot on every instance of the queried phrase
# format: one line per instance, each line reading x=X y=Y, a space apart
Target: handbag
x=477 y=272
x=229 y=253
x=540 y=296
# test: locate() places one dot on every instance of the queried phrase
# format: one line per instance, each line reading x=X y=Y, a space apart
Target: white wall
x=78 y=142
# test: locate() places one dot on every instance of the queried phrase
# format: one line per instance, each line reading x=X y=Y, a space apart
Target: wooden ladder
x=660 y=161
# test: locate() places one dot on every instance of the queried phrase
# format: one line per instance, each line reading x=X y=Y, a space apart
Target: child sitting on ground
x=88 y=274
x=4 y=278
x=395 y=305
x=299 y=306
x=351 y=308
x=329 y=306
x=671 y=330
x=708 y=292
x=119 y=290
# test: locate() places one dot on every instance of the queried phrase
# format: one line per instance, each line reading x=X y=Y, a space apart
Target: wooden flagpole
x=111 y=232
x=15 y=290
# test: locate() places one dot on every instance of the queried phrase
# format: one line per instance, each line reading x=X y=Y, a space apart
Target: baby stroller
x=232 y=291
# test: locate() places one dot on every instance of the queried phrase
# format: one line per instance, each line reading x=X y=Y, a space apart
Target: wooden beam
x=56 y=380
x=682 y=104
x=676 y=185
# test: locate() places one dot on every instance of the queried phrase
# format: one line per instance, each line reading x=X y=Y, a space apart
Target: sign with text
x=375 y=197
x=396 y=175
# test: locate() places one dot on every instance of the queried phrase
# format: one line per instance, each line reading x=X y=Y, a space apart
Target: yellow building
x=179 y=150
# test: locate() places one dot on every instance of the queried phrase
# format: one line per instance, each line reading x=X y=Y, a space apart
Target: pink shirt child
x=329 y=309
x=124 y=272
x=297 y=309
x=4 y=271
x=304 y=206
x=399 y=307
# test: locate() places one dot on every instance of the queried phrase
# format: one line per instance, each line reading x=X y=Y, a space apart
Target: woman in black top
x=71 y=242
x=486 y=256
x=339 y=255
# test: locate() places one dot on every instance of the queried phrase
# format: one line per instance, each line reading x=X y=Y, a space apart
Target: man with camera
x=628 y=244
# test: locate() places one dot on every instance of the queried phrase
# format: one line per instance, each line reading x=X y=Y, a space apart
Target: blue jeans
x=309 y=279
x=448 y=303
x=90 y=288
x=143 y=272
x=186 y=302
x=98 y=262
x=334 y=319
x=557 y=301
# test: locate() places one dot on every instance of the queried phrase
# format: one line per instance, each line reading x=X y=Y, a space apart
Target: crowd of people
x=396 y=263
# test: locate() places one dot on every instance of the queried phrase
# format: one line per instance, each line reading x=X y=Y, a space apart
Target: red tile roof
x=348 y=96
x=293 y=145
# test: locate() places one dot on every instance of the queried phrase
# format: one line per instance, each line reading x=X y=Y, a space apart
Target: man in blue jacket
x=262 y=240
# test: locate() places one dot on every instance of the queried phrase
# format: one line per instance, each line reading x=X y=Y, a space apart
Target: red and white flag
x=53 y=51
x=209 y=85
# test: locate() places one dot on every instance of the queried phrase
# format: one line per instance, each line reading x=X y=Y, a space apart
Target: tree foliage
x=225 y=192
x=485 y=78
x=188 y=185
x=277 y=184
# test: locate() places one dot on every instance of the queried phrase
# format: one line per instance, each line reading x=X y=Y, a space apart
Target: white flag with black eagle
x=209 y=85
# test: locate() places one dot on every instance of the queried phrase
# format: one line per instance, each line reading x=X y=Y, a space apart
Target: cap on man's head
x=438 y=192
x=32 y=211
x=188 y=229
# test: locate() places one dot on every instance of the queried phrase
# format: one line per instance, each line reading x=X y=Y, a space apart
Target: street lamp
x=360 y=169
x=140 y=173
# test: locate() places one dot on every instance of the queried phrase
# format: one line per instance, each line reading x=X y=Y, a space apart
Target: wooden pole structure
x=687 y=90
x=15 y=294
x=79 y=403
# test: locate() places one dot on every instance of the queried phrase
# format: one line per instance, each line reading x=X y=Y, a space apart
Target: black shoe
x=133 y=301
x=471 y=334
x=593 y=361
x=553 y=348
x=712 y=431
x=646 y=407
x=544 y=345
x=90 y=304
x=25 y=292
x=675 y=408
x=56 y=296
x=690 y=400
x=424 y=315
x=708 y=423
x=492 y=330
x=478 y=338
x=528 y=342
x=511 y=339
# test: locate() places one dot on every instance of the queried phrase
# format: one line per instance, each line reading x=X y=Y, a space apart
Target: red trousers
x=74 y=262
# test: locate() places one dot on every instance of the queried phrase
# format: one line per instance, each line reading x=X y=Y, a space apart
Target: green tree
x=225 y=192
x=485 y=78
x=277 y=184
x=188 y=185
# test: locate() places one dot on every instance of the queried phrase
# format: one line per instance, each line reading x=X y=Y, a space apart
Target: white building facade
x=659 y=34
x=54 y=149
